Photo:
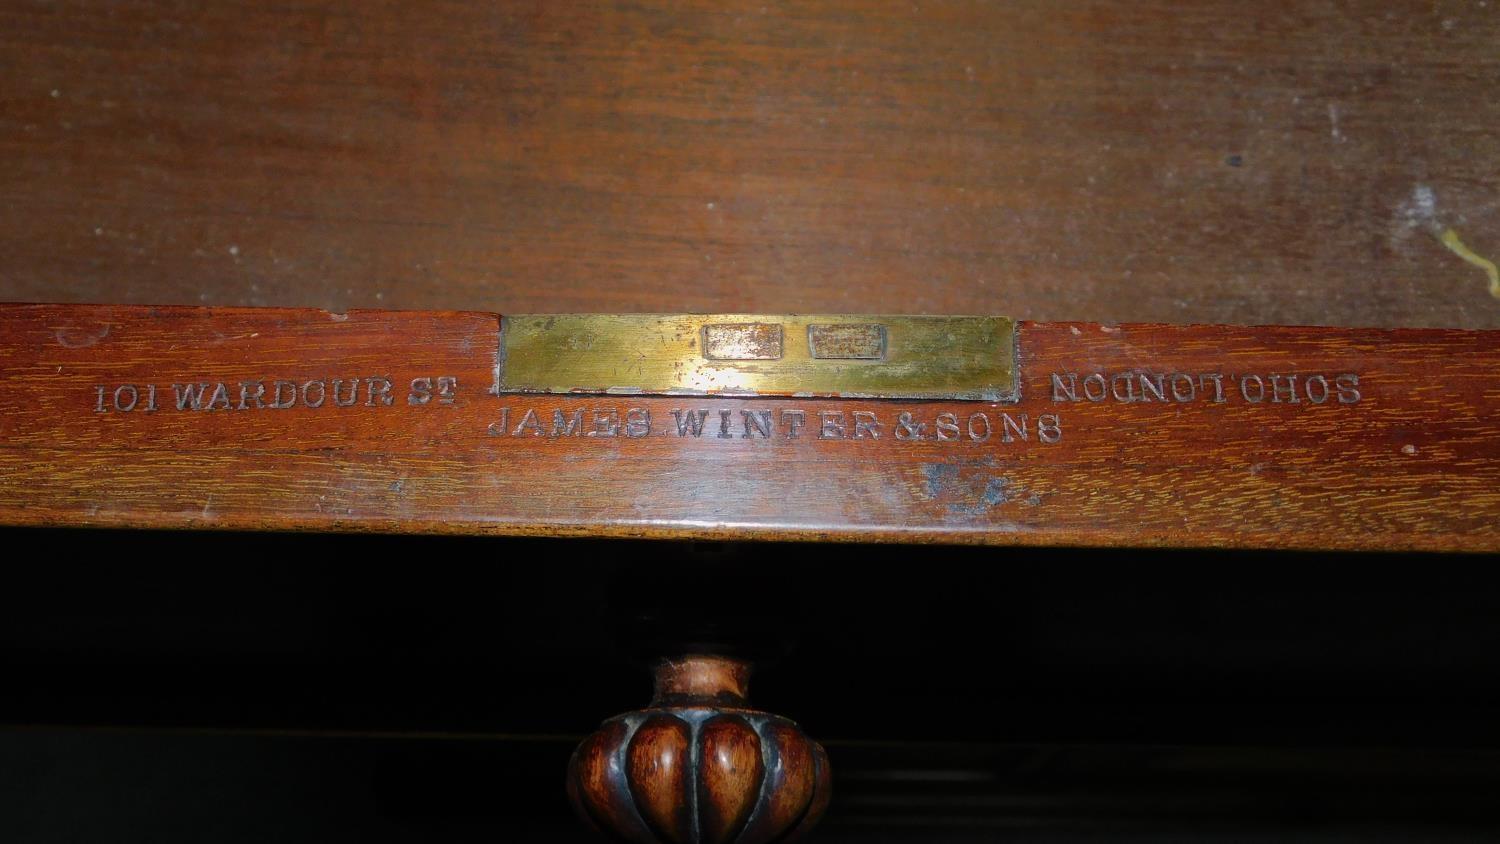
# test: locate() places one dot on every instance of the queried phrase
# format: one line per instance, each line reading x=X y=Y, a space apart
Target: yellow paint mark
x=1451 y=240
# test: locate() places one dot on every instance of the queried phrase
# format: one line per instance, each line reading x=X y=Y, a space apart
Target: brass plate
x=848 y=356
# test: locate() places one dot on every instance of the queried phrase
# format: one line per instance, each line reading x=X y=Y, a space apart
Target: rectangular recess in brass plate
x=846 y=342
x=847 y=356
x=742 y=341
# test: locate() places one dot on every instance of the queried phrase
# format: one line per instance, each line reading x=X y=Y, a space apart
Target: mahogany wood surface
x=1104 y=161
x=1392 y=441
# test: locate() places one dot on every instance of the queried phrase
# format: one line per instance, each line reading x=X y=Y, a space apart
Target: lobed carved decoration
x=699 y=766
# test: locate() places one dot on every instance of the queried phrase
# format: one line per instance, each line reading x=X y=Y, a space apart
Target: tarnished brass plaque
x=848 y=356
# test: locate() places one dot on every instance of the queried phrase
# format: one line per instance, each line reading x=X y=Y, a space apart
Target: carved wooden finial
x=698 y=766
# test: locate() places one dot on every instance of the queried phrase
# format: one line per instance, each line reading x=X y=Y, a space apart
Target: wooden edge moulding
x=869 y=428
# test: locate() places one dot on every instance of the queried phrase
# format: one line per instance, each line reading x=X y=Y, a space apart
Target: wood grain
x=1110 y=160
x=1411 y=461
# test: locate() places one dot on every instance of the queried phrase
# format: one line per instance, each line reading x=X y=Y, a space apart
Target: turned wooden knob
x=699 y=766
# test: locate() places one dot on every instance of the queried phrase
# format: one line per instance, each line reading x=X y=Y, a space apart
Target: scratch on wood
x=73 y=338
x=1450 y=239
x=1420 y=211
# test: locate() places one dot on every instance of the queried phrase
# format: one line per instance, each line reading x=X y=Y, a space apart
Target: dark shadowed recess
x=189 y=687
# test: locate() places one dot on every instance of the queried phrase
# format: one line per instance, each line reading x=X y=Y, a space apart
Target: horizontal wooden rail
x=1128 y=435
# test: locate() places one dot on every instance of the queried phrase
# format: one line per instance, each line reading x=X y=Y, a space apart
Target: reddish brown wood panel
x=1124 y=435
x=1110 y=160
